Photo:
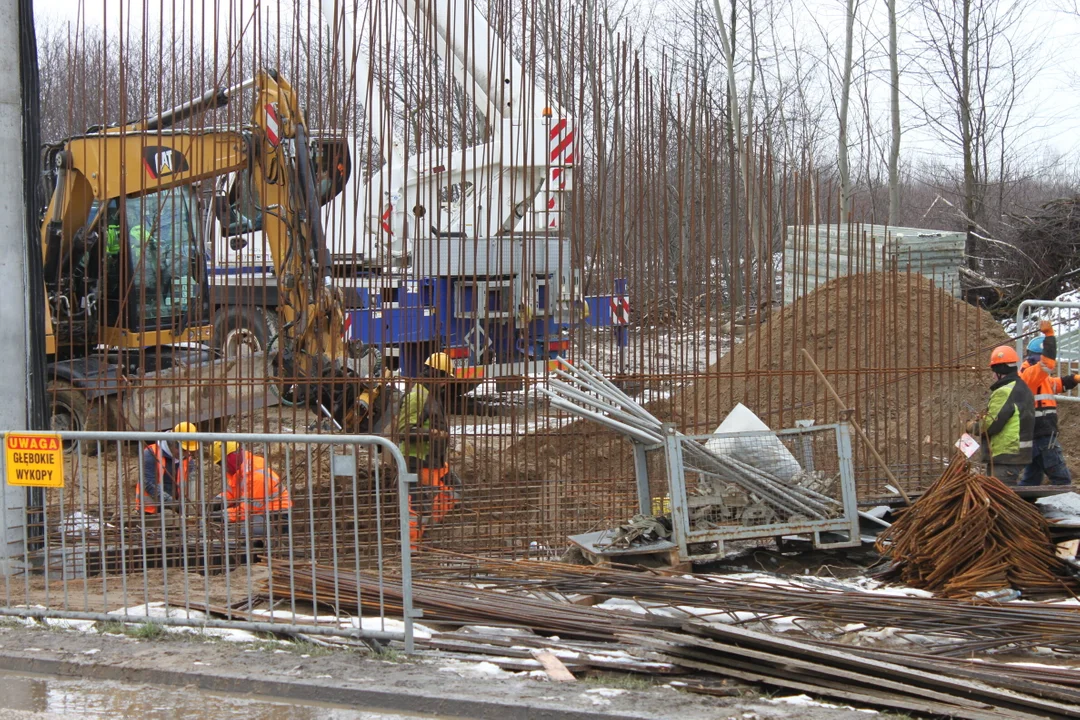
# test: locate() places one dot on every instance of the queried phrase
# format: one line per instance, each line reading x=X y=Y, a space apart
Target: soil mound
x=908 y=357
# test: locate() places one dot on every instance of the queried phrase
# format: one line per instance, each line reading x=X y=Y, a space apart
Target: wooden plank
x=553 y=666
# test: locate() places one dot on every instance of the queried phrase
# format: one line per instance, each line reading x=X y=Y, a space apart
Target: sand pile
x=907 y=356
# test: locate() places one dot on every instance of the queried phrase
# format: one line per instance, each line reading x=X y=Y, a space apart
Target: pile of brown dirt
x=906 y=356
x=909 y=358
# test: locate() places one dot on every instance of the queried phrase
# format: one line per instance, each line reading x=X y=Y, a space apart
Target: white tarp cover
x=765 y=452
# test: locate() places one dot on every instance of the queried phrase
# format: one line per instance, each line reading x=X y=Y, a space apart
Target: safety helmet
x=220 y=450
x=1036 y=345
x=1004 y=355
x=440 y=361
x=186 y=427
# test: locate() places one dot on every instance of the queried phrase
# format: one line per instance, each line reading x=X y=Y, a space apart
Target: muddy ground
x=424 y=682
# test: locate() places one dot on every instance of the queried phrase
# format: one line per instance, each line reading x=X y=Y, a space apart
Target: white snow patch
x=606 y=692
x=807 y=701
x=482 y=669
x=67 y=624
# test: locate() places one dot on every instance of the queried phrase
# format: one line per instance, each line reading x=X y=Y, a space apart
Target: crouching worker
x=165 y=472
x=1007 y=427
x=254 y=499
x=425 y=442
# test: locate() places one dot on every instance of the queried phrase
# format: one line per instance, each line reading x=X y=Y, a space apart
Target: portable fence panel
x=149 y=528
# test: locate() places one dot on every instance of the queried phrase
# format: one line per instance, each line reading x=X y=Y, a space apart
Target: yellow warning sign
x=34 y=459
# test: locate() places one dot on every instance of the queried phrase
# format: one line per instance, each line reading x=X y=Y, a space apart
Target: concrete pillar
x=14 y=309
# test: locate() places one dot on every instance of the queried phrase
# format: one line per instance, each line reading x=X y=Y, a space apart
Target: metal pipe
x=602 y=419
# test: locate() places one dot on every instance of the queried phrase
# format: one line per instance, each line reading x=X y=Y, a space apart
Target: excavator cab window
x=332 y=167
x=162 y=255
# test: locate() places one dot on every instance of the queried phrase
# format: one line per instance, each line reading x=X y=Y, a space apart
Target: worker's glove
x=1076 y=379
x=1046 y=328
x=216 y=506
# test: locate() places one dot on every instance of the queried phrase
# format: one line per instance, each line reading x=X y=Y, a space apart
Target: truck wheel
x=68 y=410
x=244 y=329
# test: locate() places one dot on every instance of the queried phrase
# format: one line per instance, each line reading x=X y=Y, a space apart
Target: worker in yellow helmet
x=254 y=496
x=424 y=434
x=166 y=466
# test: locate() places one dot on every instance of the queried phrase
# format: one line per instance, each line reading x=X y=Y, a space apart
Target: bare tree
x=975 y=62
x=894 y=117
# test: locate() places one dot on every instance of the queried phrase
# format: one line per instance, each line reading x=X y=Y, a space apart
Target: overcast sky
x=1053 y=100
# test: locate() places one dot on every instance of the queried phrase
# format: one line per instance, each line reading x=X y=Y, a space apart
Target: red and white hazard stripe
x=385 y=220
x=561 y=147
x=620 y=310
x=273 y=126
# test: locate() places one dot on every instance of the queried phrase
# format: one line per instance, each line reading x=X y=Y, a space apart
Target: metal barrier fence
x=1066 y=317
x=195 y=546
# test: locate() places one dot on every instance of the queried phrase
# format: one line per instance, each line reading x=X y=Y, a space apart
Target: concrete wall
x=14 y=329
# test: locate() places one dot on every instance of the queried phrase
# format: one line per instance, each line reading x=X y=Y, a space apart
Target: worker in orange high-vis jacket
x=424 y=433
x=1047 y=459
x=254 y=497
x=166 y=466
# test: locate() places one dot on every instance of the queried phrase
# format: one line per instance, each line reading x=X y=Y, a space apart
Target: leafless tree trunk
x=735 y=112
x=894 y=116
x=845 y=96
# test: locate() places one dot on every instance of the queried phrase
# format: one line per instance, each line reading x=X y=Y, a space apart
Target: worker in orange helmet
x=166 y=466
x=1046 y=456
x=254 y=496
x=422 y=425
x=1007 y=425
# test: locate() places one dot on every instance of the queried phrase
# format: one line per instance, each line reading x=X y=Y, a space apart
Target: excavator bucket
x=206 y=392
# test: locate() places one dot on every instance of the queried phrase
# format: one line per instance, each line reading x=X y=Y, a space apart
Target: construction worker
x=164 y=471
x=425 y=442
x=1007 y=426
x=1046 y=456
x=254 y=495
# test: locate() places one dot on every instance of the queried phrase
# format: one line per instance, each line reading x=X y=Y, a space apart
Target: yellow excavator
x=127 y=323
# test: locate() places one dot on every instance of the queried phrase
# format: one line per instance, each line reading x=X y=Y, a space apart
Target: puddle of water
x=67 y=697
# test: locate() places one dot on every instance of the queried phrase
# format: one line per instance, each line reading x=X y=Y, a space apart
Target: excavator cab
x=153 y=251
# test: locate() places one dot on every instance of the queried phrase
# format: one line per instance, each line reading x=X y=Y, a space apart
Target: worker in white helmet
x=424 y=434
x=166 y=466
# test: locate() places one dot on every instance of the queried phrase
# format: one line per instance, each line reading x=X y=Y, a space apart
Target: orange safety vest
x=1046 y=387
x=254 y=489
x=148 y=504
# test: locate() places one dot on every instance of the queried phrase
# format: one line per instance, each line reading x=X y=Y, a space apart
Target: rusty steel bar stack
x=971 y=534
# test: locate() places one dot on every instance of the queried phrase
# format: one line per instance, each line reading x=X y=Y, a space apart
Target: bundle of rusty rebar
x=971 y=533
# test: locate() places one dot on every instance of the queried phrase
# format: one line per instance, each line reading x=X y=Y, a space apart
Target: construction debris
x=656 y=644
x=825 y=608
x=969 y=534
x=641 y=530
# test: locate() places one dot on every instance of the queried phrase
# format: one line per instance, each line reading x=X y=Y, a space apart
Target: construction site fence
x=98 y=549
x=1065 y=315
x=724 y=257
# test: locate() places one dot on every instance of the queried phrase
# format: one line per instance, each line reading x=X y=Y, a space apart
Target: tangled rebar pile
x=970 y=533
